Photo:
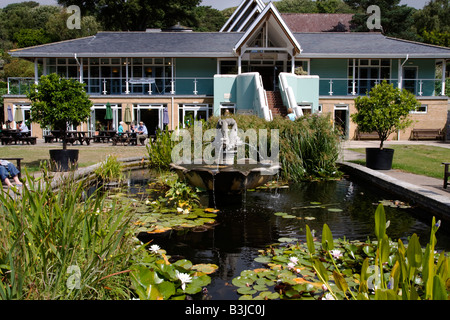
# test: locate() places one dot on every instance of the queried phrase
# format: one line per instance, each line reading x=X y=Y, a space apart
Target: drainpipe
x=400 y=72
x=444 y=65
x=80 y=66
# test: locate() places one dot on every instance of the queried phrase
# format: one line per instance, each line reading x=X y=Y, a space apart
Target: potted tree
x=58 y=103
x=385 y=110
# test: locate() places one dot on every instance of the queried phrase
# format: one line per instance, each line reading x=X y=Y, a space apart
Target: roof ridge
x=417 y=42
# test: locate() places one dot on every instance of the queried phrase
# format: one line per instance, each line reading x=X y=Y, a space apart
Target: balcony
x=355 y=87
x=137 y=87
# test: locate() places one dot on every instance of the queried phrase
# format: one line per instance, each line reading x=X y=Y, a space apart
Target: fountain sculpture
x=227 y=175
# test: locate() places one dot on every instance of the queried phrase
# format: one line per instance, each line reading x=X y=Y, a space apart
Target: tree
x=396 y=20
x=57 y=102
x=56 y=27
x=136 y=15
x=432 y=22
x=384 y=111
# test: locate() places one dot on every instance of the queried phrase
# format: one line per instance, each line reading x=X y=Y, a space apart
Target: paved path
x=433 y=184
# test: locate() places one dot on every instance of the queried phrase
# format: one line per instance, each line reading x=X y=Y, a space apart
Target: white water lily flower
x=294 y=260
x=291 y=265
x=328 y=296
x=180 y=210
x=184 y=278
x=336 y=254
x=154 y=248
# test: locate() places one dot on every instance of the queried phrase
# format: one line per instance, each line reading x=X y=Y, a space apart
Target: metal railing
x=132 y=86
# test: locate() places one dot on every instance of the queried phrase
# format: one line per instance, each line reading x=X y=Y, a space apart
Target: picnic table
x=9 y=136
x=126 y=138
x=80 y=136
x=105 y=135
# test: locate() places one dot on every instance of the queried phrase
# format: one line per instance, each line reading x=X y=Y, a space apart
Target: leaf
x=280 y=213
x=288 y=216
x=380 y=222
x=327 y=238
x=340 y=281
x=287 y=239
x=206 y=268
x=310 y=241
x=335 y=210
x=263 y=259
x=320 y=269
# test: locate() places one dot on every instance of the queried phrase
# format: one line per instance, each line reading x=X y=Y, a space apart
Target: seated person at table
x=23 y=129
x=142 y=133
x=120 y=129
x=8 y=170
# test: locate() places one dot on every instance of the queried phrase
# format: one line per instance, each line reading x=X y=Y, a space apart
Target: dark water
x=247 y=224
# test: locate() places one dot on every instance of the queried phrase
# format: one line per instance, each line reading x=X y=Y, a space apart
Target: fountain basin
x=225 y=179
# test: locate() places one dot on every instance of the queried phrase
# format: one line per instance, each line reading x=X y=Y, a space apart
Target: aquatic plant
x=109 y=170
x=62 y=244
x=155 y=278
x=350 y=270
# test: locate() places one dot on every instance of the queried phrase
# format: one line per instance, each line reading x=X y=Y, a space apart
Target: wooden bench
x=10 y=140
x=446 y=173
x=422 y=134
x=367 y=135
x=125 y=139
x=18 y=163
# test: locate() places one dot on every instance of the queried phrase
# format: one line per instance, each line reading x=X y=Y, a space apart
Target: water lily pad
x=285 y=239
x=246 y=290
x=310 y=218
x=263 y=259
x=280 y=213
x=206 y=268
x=289 y=216
x=335 y=210
x=242 y=281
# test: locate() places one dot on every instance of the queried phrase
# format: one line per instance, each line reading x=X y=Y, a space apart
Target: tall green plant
x=63 y=245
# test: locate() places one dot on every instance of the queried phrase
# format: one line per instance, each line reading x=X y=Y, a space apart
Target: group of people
x=141 y=131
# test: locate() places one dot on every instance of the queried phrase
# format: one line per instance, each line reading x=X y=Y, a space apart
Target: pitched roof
x=139 y=44
x=318 y=22
x=364 y=45
x=221 y=44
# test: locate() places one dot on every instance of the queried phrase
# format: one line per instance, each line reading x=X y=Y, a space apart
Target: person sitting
x=142 y=133
x=291 y=115
x=120 y=129
x=9 y=170
x=23 y=129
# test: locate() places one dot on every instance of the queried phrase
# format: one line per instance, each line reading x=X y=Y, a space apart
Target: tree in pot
x=58 y=103
x=385 y=110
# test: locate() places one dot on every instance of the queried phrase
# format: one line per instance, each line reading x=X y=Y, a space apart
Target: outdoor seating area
x=13 y=136
x=423 y=134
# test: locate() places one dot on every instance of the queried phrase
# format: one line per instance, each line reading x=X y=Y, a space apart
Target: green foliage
x=109 y=170
x=30 y=37
x=155 y=278
x=385 y=110
x=58 y=102
x=351 y=270
x=309 y=146
x=62 y=245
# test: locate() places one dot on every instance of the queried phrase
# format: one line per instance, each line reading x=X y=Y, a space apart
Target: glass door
x=410 y=79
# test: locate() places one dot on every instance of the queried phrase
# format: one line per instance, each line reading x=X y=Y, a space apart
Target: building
x=246 y=67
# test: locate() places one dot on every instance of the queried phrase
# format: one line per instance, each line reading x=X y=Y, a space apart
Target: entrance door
x=268 y=75
x=151 y=115
x=342 y=120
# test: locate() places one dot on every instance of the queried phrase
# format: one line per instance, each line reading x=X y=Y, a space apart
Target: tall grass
x=309 y=146
x=63 y=245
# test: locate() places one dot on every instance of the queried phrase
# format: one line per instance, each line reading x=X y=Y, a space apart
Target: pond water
x=248 y=224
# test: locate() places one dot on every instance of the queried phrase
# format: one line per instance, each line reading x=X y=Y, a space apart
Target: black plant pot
x=379 y=159
x=63 y=160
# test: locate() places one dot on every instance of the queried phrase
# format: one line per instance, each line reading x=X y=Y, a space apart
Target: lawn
x=418 y=159
x=88 y=155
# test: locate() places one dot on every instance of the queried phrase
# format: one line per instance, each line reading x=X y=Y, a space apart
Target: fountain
x=227 y=175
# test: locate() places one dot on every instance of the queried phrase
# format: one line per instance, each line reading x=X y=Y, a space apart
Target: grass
x=417 y=159
x=88 y=155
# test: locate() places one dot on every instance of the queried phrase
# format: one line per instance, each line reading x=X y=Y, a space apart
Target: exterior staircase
x=275 y=103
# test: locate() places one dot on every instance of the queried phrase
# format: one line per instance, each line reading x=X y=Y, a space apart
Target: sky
x=217 y=4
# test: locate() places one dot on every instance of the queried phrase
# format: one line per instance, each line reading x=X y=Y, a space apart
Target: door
x=368 y=78
x=342 y=120
x=151 y=115
x=410 y=79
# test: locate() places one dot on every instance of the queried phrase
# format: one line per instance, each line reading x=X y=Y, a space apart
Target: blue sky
x=218 y=4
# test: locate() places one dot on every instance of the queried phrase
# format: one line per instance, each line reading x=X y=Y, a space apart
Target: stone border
x=437 y=204
x=88 y=172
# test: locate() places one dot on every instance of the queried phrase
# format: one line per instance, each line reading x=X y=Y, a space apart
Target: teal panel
x=189 y=70
x=224 y=91
x=327 y=69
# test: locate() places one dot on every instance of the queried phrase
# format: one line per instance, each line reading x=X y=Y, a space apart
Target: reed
x=309 y=146
x=64 y=244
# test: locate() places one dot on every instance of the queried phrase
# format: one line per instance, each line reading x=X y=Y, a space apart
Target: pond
x=262 y=217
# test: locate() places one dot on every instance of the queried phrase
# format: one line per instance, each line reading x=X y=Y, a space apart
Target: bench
x=18 y=163
x=367 y=135
x=446 y=173
x=421 y=134
x=125 y=139
x=10 y=140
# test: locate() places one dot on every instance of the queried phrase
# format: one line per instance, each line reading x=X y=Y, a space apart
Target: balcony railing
x=134 y=86
x=349 y=86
